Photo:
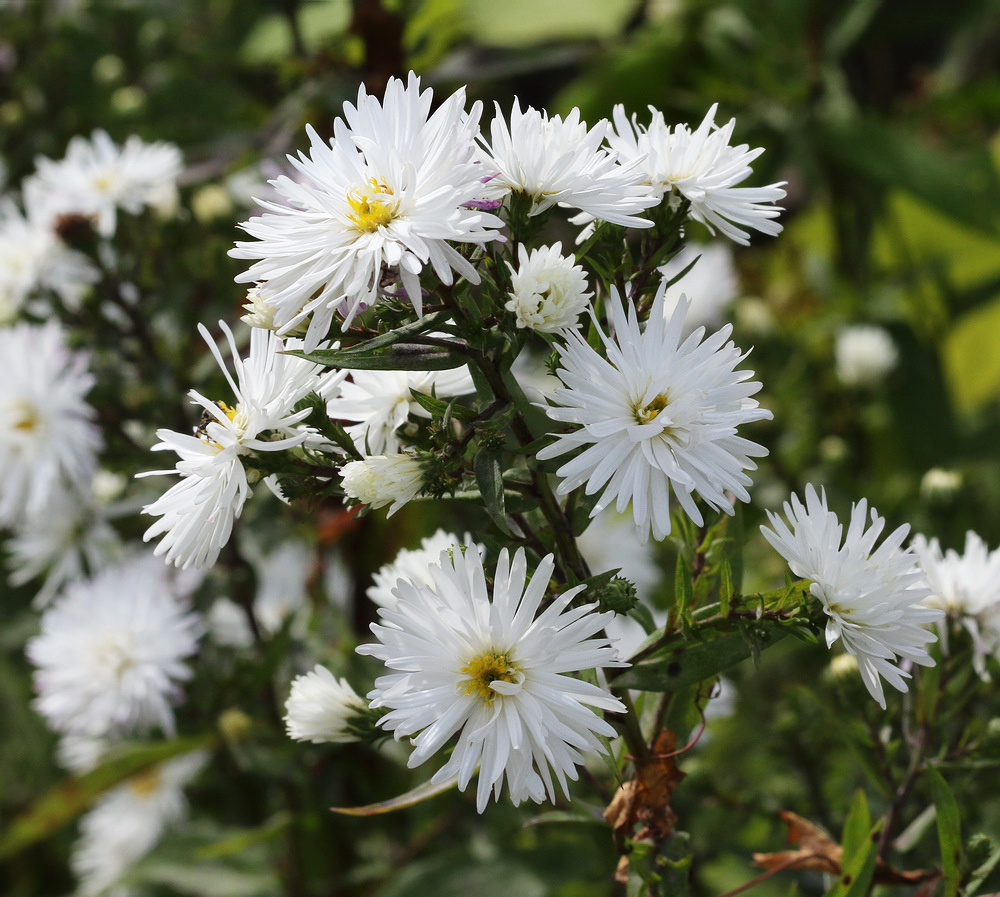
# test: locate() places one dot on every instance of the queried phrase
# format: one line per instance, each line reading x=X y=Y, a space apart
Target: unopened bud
x=618 y=595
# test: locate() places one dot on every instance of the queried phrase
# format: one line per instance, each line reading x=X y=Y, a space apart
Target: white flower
x=384 y=479
x=864 y=354
x=710 y=285
x=560 y=161
x=33 y=259
x=656 y=415
x=413 y=565
x=47 y=439
x=127 y=822
x=872 y=596
x=702 y=168
x=73 y=536
x=97 y=177
x=487 y=669
x=381 y=403
x=387 y=194
x=319 y=708
x=111 y=654
x=967 y=588
x=548 y=289
x=197 y=514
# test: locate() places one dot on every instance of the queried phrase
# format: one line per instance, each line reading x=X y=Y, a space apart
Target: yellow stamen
x=485 y=668
x=371 y=214
x=27 y=418
x=146 y=783
x=652 y=410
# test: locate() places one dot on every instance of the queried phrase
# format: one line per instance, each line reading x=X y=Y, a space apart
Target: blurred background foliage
x=881 y=115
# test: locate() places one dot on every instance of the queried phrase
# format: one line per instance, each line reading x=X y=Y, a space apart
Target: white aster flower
x=711 y=285
x=383 y=480
x=197 y=514
x=560 y=161
x=380 y=403
x=967 y=588
x=111 y=654
x=34 y=259
x=701 y=167
x=388 y=194
x=657 y=415
x=47 y=439
x=548 y=289
x=486 y=669
x=872 y=596
x=128 y=821
x=864 y=354
x=97 y=177
x=320 y=706
x=414 y=565
x=81 y=753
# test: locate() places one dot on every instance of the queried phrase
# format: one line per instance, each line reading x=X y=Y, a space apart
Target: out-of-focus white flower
x=128 y=821
x=388 y=193
x=939 y=484
x=558 y=161
x=97 y=177
x=658 y=414
x=864 y=354
x=967 y=588
x=487 y=669
x=320 y=706
x=34 y=259
x=413 y=565
x=111 y=654
x=71 y=538
x=281 y=594
x=710 y=285
x=548 y=289
x=872 y=596
x=197 y=514
x=701 y=167
x=383 y=480
x=47 y=439
x=380 y=403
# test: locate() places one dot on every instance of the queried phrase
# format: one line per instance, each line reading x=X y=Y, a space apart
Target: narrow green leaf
x=857 y=825
x=64 y=802
x=415 y=796
x=857 y=868
x=400 y=357
x=489 y=478
x=683 y=589
x=439 y=408
x=725 y=587
x=245 y=839
x=949 y=830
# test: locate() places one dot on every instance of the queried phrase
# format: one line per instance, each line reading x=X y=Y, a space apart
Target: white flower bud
x=549 y=290
x=383 y=479
x=319 y=707
x=864 y=354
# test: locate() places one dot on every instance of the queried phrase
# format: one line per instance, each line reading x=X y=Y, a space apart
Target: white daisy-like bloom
x=387 y=195
x=872 y=596
x=701 y=167
x=80 y=754
x=33 y=259
x=127 y=822
x=548 y=289
x=865 y=354
x=967 y=588
x=384 y=480
x=319 y=707
x=414 y=565
x=558 y=161
x=380 y=403
x=658 y=415
x=711 y=285
x=72 y=537
x=197 y=514
x=491 y=670
x=48 y=441
x=97 y=177
x=112 y=652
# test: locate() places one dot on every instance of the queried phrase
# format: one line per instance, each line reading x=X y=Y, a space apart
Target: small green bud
x=618 y=595
x=979 y=848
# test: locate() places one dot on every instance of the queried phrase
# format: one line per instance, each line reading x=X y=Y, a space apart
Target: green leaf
x=725 y=587
x=415 y=796
x=683 y=590
x=401 y=357
x=489 y=478
x=245 y=839
x=438 y=408
x=857 y=825
x=67 y=800
x=706 y=653
x=858 y=867
x=949 y=830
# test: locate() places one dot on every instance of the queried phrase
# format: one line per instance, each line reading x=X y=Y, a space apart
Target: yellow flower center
x=651 y=411
x=146 y=783
x=486 y=668
x=207 y=417
x=26 y=418
x=371 y=214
